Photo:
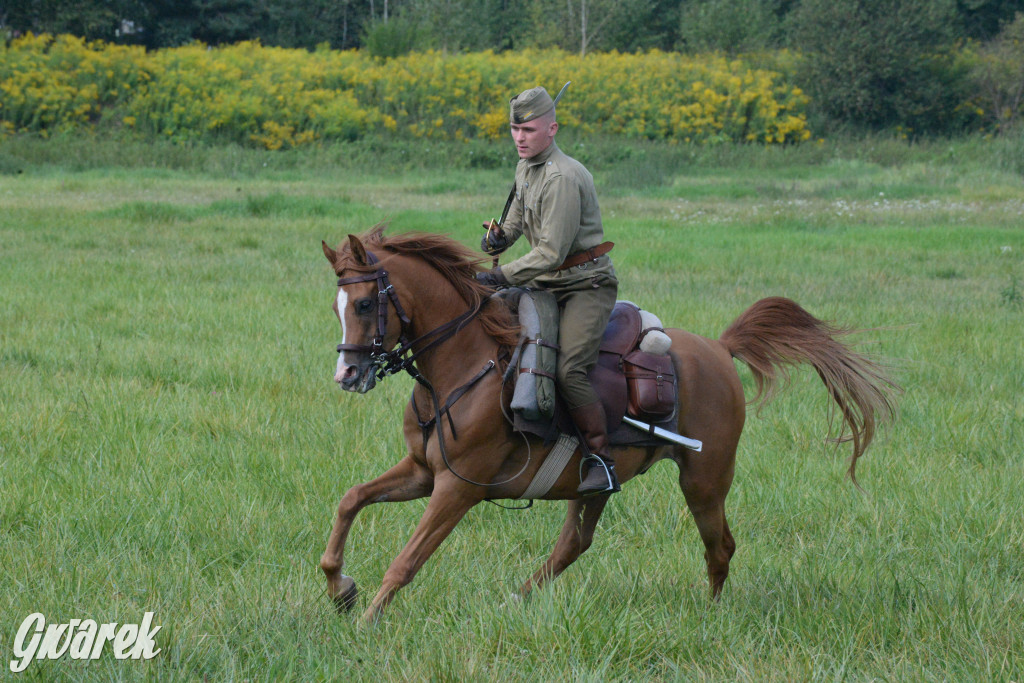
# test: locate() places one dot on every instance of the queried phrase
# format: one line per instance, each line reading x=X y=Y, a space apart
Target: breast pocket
x=531 y=217
x=531 y=209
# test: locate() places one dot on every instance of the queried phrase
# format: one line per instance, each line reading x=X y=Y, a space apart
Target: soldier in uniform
x=555 y=207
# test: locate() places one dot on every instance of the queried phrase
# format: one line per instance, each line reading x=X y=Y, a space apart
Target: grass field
x=171 y=439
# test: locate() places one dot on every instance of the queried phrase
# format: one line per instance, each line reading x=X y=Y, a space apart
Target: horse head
x=362 y=307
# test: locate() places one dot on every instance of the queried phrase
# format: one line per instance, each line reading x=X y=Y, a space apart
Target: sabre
x=692 y=444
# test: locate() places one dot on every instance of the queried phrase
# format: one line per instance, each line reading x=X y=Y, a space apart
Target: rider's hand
x=492 y=278
x=494 y=241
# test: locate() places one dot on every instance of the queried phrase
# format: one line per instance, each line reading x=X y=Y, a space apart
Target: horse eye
x=364 y=305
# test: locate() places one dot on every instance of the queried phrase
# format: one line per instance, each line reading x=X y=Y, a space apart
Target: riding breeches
x=584 y=314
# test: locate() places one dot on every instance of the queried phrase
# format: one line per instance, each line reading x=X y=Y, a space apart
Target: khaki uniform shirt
x=555 y=206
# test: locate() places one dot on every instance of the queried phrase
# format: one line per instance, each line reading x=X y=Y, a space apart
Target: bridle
x=402 y=357
x=384 y=363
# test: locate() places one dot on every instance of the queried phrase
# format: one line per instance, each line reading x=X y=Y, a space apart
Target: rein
x=390 y=362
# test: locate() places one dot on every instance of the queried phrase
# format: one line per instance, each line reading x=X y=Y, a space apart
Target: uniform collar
x=542 y=157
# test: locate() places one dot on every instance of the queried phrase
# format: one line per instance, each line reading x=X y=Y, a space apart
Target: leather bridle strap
x=427 y=425
x=390 y=362
x=441 y=334
x=439 y=411
x=385 y=292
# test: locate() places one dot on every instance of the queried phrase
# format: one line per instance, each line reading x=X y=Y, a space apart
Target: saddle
x=634 y=374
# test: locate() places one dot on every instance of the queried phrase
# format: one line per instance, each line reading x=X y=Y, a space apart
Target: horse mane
x=457 y=263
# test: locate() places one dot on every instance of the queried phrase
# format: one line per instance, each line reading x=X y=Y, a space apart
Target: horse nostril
x=347 y=376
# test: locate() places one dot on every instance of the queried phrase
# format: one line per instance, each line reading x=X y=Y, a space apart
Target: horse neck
x=432 y=302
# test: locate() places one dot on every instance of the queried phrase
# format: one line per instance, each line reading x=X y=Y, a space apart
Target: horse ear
x=358 y=251
x=331 y=255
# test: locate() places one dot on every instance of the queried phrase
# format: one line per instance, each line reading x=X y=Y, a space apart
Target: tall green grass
x=171 y=439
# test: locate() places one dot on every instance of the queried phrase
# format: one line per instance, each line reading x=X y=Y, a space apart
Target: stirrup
x=609 y=483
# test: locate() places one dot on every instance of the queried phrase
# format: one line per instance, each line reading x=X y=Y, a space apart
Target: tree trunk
x=583 y=28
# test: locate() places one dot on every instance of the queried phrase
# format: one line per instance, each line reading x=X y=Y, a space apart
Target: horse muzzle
x=359 y=378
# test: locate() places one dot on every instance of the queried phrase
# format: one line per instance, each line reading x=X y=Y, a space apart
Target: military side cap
x=529 y=104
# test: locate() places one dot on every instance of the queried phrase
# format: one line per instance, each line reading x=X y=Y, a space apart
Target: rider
x=555 y=207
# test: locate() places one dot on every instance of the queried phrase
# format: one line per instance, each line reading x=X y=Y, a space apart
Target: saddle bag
x=650 y=378
x=651 y=382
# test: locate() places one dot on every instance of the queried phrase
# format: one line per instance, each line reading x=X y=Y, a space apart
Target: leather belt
x=591 y=254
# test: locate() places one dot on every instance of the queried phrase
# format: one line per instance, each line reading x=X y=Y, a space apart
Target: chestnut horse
x=417 y=292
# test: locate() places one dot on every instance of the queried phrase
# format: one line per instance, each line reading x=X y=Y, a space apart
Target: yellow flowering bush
x=270 y=96
x=55 y=84
x=278 y=98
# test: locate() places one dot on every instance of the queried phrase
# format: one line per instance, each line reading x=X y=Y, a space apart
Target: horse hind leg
x=576 y=536
x=707 y=505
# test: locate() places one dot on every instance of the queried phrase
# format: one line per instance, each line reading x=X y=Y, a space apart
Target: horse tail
x=775 y=334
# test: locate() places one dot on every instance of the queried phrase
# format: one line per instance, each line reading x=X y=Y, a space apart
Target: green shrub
x=881 y=63
x=1009 y=150
x=392 y=38
x=281 y=98
x=733 y=26
x=997 y=77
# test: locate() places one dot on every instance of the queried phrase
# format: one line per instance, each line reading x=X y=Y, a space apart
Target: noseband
x=389 y=362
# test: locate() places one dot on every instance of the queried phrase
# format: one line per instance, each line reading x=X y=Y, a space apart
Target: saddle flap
x=610 y=385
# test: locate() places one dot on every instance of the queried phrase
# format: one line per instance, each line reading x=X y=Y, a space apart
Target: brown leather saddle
x=628 y=381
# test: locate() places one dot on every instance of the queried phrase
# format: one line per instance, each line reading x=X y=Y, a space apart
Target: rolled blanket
x=653 y=338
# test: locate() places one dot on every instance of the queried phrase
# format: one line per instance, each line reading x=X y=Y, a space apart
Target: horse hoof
x=346 y=594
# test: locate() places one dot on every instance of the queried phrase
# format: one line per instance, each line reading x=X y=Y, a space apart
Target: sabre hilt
x=494 y=241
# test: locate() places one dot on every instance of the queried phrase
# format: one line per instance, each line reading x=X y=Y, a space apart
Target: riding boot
x=597 y=471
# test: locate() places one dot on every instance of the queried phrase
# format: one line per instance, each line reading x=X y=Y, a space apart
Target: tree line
x=924 y=66
x=390 y=27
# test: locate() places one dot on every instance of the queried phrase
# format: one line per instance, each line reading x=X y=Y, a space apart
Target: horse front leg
x=449 y=502
x=577 y=535
x=405 y=481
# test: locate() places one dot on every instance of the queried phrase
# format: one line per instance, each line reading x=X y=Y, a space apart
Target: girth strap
x=552 y=467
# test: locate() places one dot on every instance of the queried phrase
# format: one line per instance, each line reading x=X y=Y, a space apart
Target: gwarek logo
x=82 y=639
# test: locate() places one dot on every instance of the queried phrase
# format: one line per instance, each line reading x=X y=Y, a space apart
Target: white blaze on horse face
x=342 y=367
